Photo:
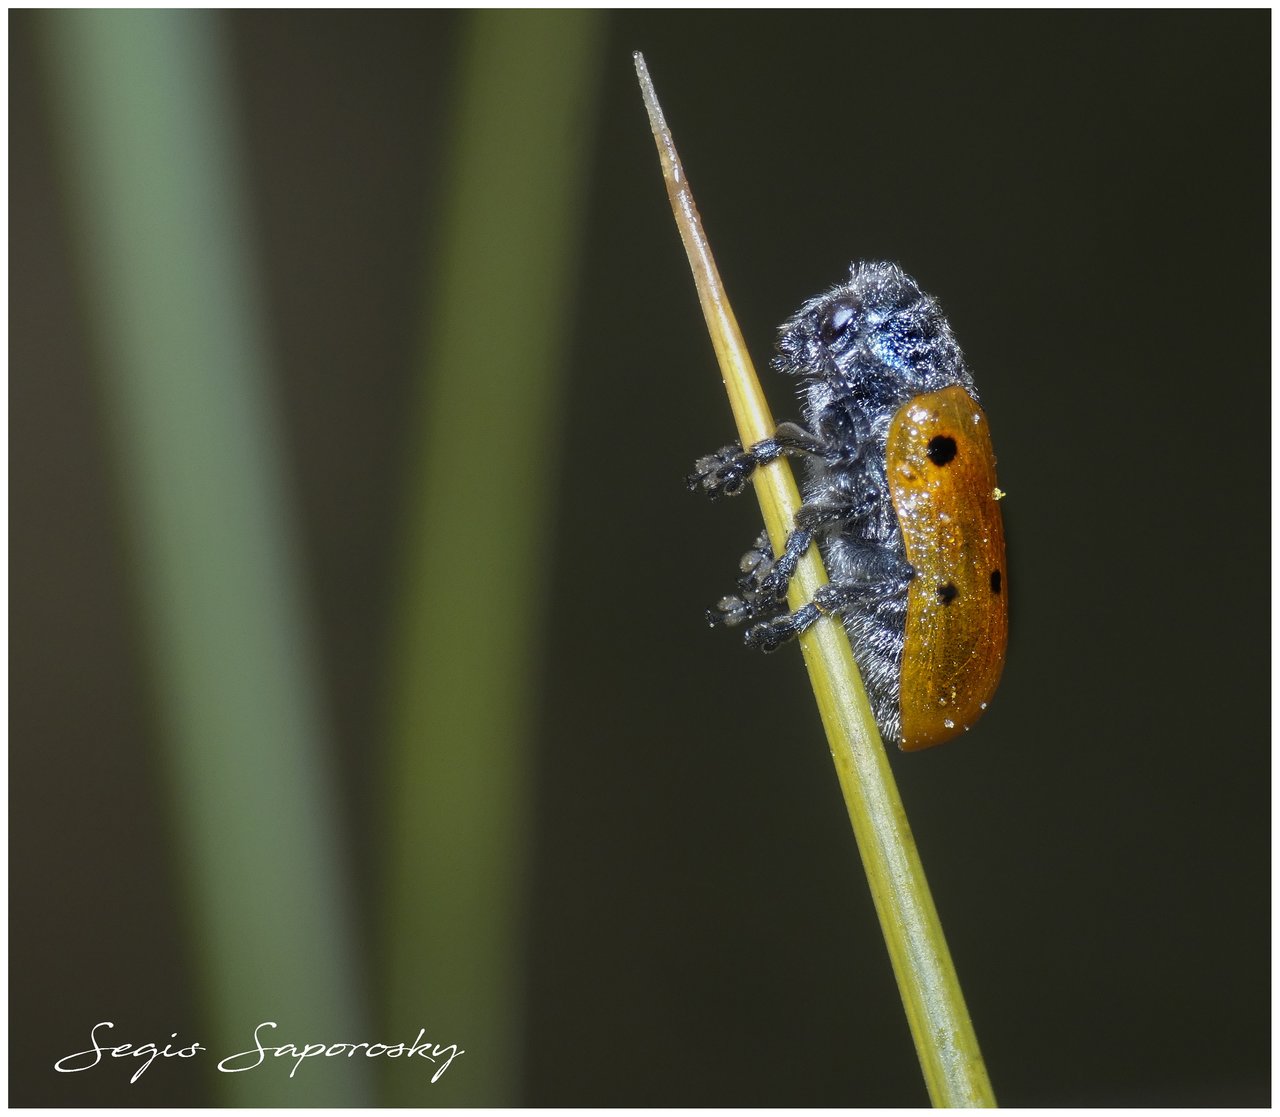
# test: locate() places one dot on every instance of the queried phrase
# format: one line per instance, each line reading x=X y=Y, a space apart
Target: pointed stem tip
x=656 y=119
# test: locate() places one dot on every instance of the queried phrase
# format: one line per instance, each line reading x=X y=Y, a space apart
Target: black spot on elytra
x=995 y=581
x=947 y=593
x=941 y=449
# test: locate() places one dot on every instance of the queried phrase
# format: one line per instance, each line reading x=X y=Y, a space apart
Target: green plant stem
x=945 y=1042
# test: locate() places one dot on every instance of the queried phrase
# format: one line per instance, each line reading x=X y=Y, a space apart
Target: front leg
x=725 y=472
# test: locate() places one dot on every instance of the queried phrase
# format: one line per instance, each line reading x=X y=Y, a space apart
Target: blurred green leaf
x=155 y=181
x=478 y=519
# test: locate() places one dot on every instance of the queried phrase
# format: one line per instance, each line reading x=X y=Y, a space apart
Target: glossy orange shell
x=942 y=478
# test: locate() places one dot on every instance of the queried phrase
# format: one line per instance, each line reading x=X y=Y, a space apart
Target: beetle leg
x=812 y=519
x=725 y=472
x=770 y=635
x=774 y=584
x=748 y=602
x=755 y=564
x=888 y=577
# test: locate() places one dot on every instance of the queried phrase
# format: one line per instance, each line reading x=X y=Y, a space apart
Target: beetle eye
x=835 y=322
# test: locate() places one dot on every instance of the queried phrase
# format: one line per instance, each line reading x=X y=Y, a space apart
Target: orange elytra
x=941 y=472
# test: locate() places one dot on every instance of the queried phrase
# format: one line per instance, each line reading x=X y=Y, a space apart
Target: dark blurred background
x=1087 y=195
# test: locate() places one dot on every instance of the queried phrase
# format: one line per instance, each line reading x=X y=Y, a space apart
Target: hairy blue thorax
x=863 y=349
x=870 y=344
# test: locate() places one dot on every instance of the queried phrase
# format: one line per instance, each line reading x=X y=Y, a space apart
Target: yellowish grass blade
x=953 y=1068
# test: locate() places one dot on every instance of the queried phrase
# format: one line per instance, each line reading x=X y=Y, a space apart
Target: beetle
x=900 y=497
